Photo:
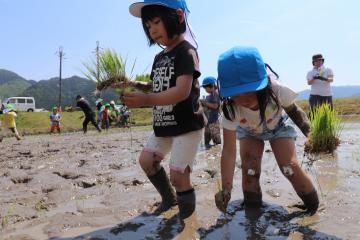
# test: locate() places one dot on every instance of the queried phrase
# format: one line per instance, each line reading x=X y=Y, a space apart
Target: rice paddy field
x=76 y=186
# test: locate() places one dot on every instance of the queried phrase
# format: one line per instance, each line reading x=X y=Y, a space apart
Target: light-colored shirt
x=249 y=120
x=9 y=120
x=320 y=87
x=55 y=119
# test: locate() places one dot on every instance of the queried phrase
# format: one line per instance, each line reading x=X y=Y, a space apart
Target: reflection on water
x=326 y=172
x=269 y=222
x=147 y=227
x=334 y=171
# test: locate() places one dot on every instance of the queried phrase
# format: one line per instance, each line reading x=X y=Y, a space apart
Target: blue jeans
x=282 y=130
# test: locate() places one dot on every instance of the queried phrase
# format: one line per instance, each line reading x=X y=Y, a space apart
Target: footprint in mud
x=68 y=175
x=87 y=183
x=27 y=154
x=116 y=166
x=134 y=182
x=82 y=162
x=20 y=177
x=25 y=167
x=52 y=150
x=211 y=172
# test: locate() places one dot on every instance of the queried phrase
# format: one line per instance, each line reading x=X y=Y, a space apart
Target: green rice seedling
x=41 y=206
x=326 y=126
x=6 y=219
x=108 y=69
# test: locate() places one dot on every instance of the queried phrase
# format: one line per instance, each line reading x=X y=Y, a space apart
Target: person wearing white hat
x=178 y=120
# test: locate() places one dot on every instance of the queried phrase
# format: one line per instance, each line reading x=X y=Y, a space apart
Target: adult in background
x=89 y=113
x=212 y=104
x=320 y=78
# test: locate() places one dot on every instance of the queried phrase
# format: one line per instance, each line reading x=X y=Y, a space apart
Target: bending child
x=253 y=112
x=89 y=113
x=9 y=123
x=178 y=123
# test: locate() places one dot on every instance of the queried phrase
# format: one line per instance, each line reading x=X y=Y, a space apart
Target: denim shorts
x=283 y=130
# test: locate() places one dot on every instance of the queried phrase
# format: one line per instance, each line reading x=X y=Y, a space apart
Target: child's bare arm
x=299 y=117
x=228 y=157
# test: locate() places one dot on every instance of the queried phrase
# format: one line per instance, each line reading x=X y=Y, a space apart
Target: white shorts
x=183 y=148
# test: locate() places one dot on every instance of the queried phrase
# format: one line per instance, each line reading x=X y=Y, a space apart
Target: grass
x=326 y=126
x=29 y=123
x=38 y=122
x=343 y=106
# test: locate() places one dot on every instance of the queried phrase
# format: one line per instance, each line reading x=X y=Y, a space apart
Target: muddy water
x=90 y=187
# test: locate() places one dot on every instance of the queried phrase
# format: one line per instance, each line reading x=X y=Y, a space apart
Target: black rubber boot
x=252 y=199
x=186 y=203
x=311 y=202
x=162 y=184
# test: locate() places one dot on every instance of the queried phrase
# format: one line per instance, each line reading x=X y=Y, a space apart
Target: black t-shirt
x=185 y=116
x=85 y=106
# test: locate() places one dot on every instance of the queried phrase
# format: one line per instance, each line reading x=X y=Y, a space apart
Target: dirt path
x=91 y=187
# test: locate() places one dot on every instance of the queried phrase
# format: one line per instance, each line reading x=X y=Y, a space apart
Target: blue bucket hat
x=135 y=8
x=241 y=70
x=208 y=81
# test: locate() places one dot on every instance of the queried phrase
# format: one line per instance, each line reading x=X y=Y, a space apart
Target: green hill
x=12 y=84
x=8 y=76
x=46 y=92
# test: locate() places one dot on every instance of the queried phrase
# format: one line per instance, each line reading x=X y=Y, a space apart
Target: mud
x=75 y=186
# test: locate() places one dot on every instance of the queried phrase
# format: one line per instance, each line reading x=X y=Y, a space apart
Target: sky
x=287 y=33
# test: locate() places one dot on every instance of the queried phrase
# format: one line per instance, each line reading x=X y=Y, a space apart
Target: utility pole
x=97 y=61
x=61 y=55
x=97 y=52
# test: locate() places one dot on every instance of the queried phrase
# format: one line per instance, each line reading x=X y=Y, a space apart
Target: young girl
x=178 y=123
x=253 y=112
x=55 y=120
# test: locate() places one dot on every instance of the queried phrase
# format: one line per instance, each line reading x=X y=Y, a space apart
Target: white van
x=22 y=103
